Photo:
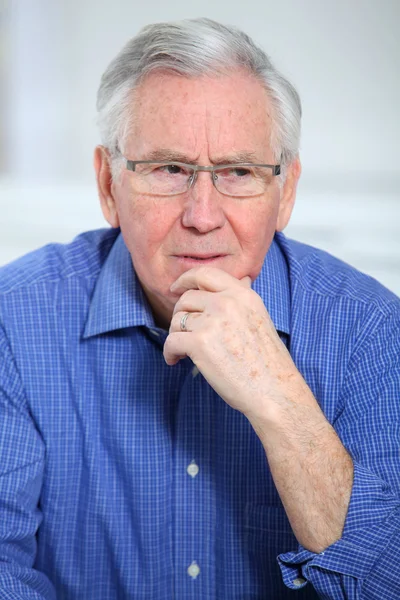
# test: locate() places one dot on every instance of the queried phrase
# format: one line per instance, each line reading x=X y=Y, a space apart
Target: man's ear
x=102 y=166
x=288 y=194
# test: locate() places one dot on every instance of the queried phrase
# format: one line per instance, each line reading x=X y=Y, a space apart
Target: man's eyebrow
x=237 y=157
x=166 y=154
x=163 y=154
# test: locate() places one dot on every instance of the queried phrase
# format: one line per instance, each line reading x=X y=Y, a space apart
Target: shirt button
x=195 y=371
x=192 y=469
x=193 y=570
x=299 y=581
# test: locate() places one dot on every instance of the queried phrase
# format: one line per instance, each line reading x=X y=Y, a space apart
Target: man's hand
x=230 y=337
x=232 y=340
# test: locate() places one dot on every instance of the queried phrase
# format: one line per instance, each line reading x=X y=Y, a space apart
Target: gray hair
x=192 y=48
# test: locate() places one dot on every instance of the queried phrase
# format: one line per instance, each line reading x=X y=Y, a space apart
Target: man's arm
x=21 y=473
x=312 y=470
x=233 y=342
x=365 y=562
x=244 y=360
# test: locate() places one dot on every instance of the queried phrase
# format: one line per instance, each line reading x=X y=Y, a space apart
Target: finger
x=192 y=301
x=177 y=346
x=191 y=322
x=203 y=278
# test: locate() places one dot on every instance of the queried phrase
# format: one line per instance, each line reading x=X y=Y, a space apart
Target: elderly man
x=192 y=405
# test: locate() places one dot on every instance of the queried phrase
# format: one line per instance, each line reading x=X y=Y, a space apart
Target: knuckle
x=175 y=322
x=170 y=341
x=203 y=339
x=250 y=297
x=184 y=301
x=167 y=343
x=229 y=304
x=187 y=296
x=205 y=272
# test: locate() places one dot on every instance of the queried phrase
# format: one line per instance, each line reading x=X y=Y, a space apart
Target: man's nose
x=203 y=205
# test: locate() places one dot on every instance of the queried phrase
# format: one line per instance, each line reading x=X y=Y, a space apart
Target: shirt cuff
x=367 y=531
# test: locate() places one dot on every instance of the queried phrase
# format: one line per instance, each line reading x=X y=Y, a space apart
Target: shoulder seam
x=29 y=464
x=305 y=287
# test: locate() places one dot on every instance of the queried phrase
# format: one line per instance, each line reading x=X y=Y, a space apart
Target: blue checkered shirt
x=124 y=478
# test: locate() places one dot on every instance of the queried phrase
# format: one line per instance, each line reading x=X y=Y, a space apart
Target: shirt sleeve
x=365 y=562
x=21 y=474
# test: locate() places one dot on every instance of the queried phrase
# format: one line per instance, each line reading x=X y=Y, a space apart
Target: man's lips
x=199 y=258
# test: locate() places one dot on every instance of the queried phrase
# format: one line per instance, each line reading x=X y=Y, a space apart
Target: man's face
x=199 y=120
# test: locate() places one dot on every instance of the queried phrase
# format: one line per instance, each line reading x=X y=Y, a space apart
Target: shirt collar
x=119 y=302
x=272 y=284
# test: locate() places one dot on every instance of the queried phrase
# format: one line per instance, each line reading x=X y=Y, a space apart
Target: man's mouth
x=199 y=258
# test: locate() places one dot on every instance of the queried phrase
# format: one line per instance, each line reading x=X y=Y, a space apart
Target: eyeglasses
x=173 y=178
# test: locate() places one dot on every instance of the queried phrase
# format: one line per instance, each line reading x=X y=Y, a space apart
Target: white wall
x=343 y=56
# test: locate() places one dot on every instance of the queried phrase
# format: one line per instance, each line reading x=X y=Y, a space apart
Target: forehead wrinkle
x=216 y=128
x=207 y=131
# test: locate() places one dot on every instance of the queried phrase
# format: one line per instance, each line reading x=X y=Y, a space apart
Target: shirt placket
x=194 y=491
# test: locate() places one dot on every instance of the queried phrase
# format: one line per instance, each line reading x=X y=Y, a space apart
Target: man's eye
x=171 y=169
x=241 y=172
x=232 y=173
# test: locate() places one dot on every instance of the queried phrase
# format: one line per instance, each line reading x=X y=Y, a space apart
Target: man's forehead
x=176 y=113
x=216 y=97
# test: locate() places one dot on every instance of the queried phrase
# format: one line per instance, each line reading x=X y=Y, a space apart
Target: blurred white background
x=343 y=57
